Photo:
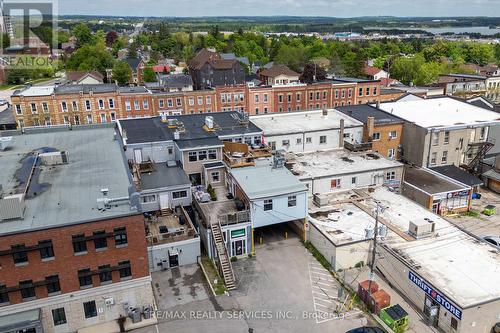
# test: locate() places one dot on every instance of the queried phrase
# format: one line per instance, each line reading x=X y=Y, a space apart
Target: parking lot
x=282 y=289
x=481 y=225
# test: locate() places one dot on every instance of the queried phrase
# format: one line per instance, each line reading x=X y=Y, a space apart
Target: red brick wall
x=66 y=264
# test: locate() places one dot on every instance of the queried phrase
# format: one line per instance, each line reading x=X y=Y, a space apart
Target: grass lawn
x=213 y=275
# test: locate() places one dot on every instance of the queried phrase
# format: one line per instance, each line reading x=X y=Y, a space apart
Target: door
x=164 y=201
x=138 y=156
x=238 y=247
x=173 y=258
x=431 y=311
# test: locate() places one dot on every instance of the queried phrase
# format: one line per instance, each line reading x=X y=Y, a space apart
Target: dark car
x=366 y=329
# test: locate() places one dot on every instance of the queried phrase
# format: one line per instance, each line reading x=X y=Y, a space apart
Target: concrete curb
x=206 y=276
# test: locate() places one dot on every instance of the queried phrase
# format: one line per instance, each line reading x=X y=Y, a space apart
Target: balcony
x=169 y=228
x=239 y=155
x=355 y=147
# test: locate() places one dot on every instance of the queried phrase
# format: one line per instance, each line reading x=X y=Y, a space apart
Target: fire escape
x=478 y=151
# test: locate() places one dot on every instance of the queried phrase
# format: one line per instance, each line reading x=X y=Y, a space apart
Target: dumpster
x=378 y=300
x=489 y=210
x=363 y=292
x=395 y=317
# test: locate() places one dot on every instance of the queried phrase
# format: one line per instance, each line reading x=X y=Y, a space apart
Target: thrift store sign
x=435 y=295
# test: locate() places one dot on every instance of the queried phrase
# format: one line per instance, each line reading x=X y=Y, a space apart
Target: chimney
x=378 y=104
x=341 y=134
x=370 y=124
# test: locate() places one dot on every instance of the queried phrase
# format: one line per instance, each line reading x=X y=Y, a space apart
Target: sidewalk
x=417 y=324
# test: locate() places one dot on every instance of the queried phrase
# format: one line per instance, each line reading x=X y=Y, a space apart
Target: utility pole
x=374 y=250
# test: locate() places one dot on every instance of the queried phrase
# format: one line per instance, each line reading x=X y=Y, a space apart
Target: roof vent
x=5 y=142
x=177 y=135
x=325 y=112
x=209 y=122
x=12 y=207
x=54 y=158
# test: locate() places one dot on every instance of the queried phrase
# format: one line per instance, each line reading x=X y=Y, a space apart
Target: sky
x=334 y=8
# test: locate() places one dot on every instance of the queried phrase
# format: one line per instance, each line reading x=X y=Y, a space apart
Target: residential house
x=464 y=85
x=375 y=73
x=383 y=131
x=82 y=77
x=443 y=131
x=137 y=65
x=278 y=75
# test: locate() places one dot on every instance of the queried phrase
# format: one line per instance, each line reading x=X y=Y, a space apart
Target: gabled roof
x=202 y=58
x=76 y=76
x=370 y=70
x=133 y=62
x=223 y=64
x=176 y=80
x=277 y=70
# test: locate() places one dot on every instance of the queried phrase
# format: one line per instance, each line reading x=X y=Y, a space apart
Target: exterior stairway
x=224 y=260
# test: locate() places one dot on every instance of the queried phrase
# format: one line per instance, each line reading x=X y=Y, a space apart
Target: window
x=446 y=137
x=66 y=120
x=268 y=204
x=4 y=295
x=101 y=104
x=256 y=98
x=318 y=94
x=360 y=92
x=289 y=98
x=311 y=96
x=391 y=175
x=178 y=101
x=374 y=91
x=297 y=97
x=19 y=254
x=285 y=142
x=161 y=103
x=212 y=154
x=170 y=103
x=192 y=156
x=64 y=106
x=145 y=104
x=85 y=277
x=120 y=235
x=435 y=138
x=52 y=283
x=33 y=108
x=58 y=316
x=45 y=107
x=46 y=249
x=353 y=180
x=482 y=133
x=27 y=289
x=216 y=176
x=77 y=120
x=100 y=241
x=19 y=109
x=128 y=107
x=335 y=183
x=111 y=103
x=90 y=309
x=191 y=101
x=292 y=201
x=79 y=243
x=208 y=100
x=137 y=105
x=148 y=198
x=308 y=140
x=299 y=141
x=349 y=93
x=202 y=155
x=125 y=270
x=105 y=274
x=200 y=100
x=376 y=136
x=367 y=91
x=390 y=153
x=179 y=194
x=103 y=117
x=89 y=119
x=325 y=95
x=444 y=158
x=433 y=158
x=322 y=139
x=393 y=134
x=88 y=105
x=280 y=98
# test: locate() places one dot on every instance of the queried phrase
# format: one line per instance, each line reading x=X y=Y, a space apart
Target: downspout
x=430 y=145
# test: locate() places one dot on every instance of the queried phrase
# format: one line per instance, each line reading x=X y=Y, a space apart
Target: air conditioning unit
x=109 y=301
x=320 y=200
x=54 y=158
x=422 y=228
x=12 y=207
x=5 y=142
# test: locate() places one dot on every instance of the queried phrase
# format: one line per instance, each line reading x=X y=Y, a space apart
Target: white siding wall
x=188 y=251
x=157 y=152
x=280 y=212
x=154 y=206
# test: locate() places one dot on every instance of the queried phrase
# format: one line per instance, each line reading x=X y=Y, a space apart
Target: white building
x=341 y=170
x=309 y=131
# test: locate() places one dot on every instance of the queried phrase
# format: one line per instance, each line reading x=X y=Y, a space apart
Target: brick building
x=73 y=248
x=367 y=91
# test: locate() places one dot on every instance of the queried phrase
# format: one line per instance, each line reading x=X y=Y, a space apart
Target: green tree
x=83 y=34
x=122 y=72
x=405 y=69
x=479 y=54
x=90 y=57
x=497 y=53
x=149 y=75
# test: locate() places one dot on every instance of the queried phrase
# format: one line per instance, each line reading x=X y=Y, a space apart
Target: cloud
x=335 y=8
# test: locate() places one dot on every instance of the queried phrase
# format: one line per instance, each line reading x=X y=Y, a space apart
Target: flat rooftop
x=454 y=262
x=264 y=180
x=164 y=176
x=458 y=174
x=65 y=194
x=361 y=112
x=190 y=127
x=344 y=224
x=303 y=121
x=444 y=112
x=34 y=91
x=336 y=162
x=430 y=182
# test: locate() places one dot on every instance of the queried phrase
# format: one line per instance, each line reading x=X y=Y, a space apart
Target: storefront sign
x=453 y=309
x=237 y=233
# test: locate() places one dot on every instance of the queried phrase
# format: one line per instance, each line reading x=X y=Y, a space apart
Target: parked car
x=366 y=329
x=493 y=240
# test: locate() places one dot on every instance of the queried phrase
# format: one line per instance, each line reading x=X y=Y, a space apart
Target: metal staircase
x=479 y=151
x=225 y=266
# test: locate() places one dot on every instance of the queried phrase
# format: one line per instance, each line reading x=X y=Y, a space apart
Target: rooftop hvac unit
x=163 y=117
x=172 y=122
x=12 y=207
x=209 y=122
x=54 y=158
x=422 y=228
x=320 y=200
x=177 y=135
x=5 y=142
